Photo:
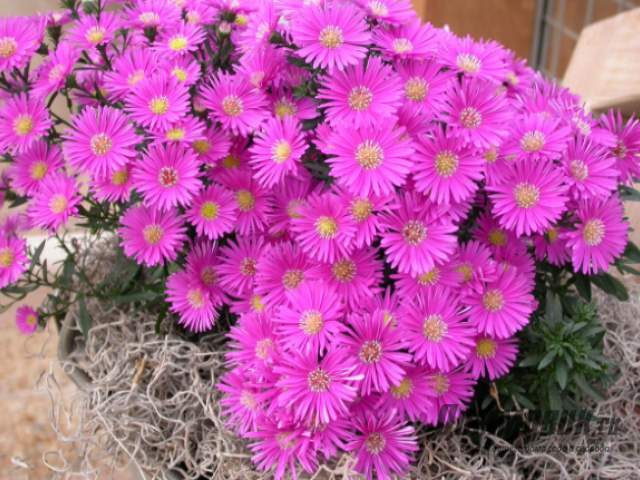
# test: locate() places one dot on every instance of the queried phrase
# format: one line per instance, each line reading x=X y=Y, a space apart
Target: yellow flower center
x=486 y=348
x=344 y=270
x=326 y=227
x=414 y=232
x=497 y=237
x=208 y=276
x=264 y=348
x=284 y=108
x=375 y=443
x=153 y=234
x=552 y=235
x=231 y=161
x=241 y=20
x=209 y=210
x=180 y=74
x=31 y=319
x=248 y=400
x=429 y=278
x=56 y=73
x=120 y=177
x=195 y=298
x=168 y=177
x=318 y=380
x=175 y=133
x=526 y=195
x=532 y=141
x=201 y=146
x=245 y=199
x=389 y=319
x=361 y=209
x=281 y=151
x=178 y=43
x=292 y=278
x=6 y=257
x=360 y=98
x=331 y=36
x=434 y=328
x=8 y=47
x=95 y=35
x=371 y=351
x=232 y=105
x=440 y=383
x=466 y=271
x=285 y=440
x=257 y=304
x=403 y=389
x=101 y=144
x=38 y=170
x=446 y=163
x=134 y=78
x=369 y=155
x=311 y=322
x=159 y=105
x=23 y=125
x=593 y=232
x=470 y=118
x=468 y=62
x=402 y=45
x=579 y=170
x=58 y=204
x=491 y=155
x=493 y=300
x=416 y=89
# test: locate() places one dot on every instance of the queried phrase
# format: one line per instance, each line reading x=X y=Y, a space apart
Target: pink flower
x=253 y=345
x=475 y=59
x=179 y=40
x=253 y=201
x=129 y=69
x=591 y=170
x=425 y=86
x=412 y=40
x=364 y=211
x=552 y=246
x=54 y=71
x=157 y=102
x=492 y=357
x=450 y=394
x=626 y=143
x=114 y=187
x=56 y=200
x=20 y=37
x=89 y=31
x=193 y=303
x=13 y=259
x=238 y=265
x=26 y=320
x=212 y=145
x=240 y=402
x=537 y=137
x=288 y=200
x=23 y=120
x=393 y=12
x=153 y=13
x=33 y=166
x=409 y=396
x=213 y=212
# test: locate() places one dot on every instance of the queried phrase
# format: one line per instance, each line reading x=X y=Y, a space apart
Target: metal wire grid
x=551 y=30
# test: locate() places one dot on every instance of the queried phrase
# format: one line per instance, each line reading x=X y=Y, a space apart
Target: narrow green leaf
x=582 y=383
x=629 y=194
x=84 y=319
x=530 y=360
x=611 y=285
x=555 y=402
x=553 y=308
x=632 y=252
x=547 y=359
x=583 y=285
x=136 y=297
x=35 y=258
x=561 y=374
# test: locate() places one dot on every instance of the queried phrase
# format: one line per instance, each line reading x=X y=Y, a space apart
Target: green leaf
x=632 y=252
x=611 y=285
x=84 y=319
x=582 y=383
x=136 y=297
x=530 y=360
x=583 y=285
x=629 y=194
x=35 y=258
x=547 y=359
x=561 y=374
x=555 y=402
x=553 y=308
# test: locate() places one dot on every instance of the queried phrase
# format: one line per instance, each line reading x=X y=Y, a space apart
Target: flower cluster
x=368 y=195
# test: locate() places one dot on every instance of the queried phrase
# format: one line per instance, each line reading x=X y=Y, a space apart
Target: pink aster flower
x=23 y=120
x=536 y=137
x=331 y=37
x=446 y=170
x=167 y=176
x=179 y=39
x=20 y=37
x=311 y=318
x=531 y=198
x=129 y=69
x=412 y=40
x=186 y=131
x=53 y=72
x=157 y=102
x=425 y=86
x=253 y=344
x=184 y=69
x=415 y=240
x=473 y=262
x=100 y=141
x=56 y=200
x=153 y=13
x=475 y=59
x=238 y=264
x=324 y=229
x=191 y=302
x=213 y=145
x=234 y=102
x=393 y=12
x=240 y=402
x=477 y=114
x=371 y=159
x=600 y=235
x=26 y=320
x=488 y=231
x=355 y=277
x=13 y=259
x=492 y=357
x=288 y=200
x=262 y=67
x=281 y=268
x=408 y=396
x=361 y=96
x=450 y=394
x=435 y=330
x=377 y=349
x=277 y=150
x=150 y=236
x=552 y=246
x=591 y=170
x=383 y=444
x=317 y=390
x=114 y=187
x=408 y=286
x=364 y=212
x=626 y=146
x=32 y=166
x=502 y=306
x=89 y=31
x=213 y=212
x=284 y=104
x=253 y=201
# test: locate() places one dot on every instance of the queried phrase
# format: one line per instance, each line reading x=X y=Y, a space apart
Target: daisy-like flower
x=213 y=145
x=371 y=160
x=184 y=69
x=213 y=212
x=157 y=102
x=277 y=150
x=129 y=69
x=331 y=37
x=446 y=170
x=262 y=66
x=393 y=12
x=364 y=213
x=473 y=262
x=311 y=319
x=475 y=59
x=20 y=37
x=450 y=394
x=167 y=176
x=53 y=72
x=191 y=302
x=284 y=104
x=408 y=286
x=324 y=229
x=531 y=198
x=488 y=231
x=626 y=143
x=552 y=246
x=32 y=166
x=435 y=330
x=23 y=120
x=537 y=137
x=13 y=259
x=179 y=39
x=288 y=199
x=153 y=13
x=89 y=31
x=377 y=348
x=186 y=131
x=415 y=241
x=408 y=396
x=492 y=357
x=591 y=170
x=360 y=96
x=26 y=320
x=355 y=277
x=253 y=344
x=502 y=306
x=281 y=268
x=100 y=141
x=424 y=85
x=412 y=40
x=383 y=444
x=600 y=235
x=477 y=114
x=317 y=390
x=56 y=200
x=253 y=202
x=234 y=102
x=150 y=236
x=240 y=401
x=238 y=265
